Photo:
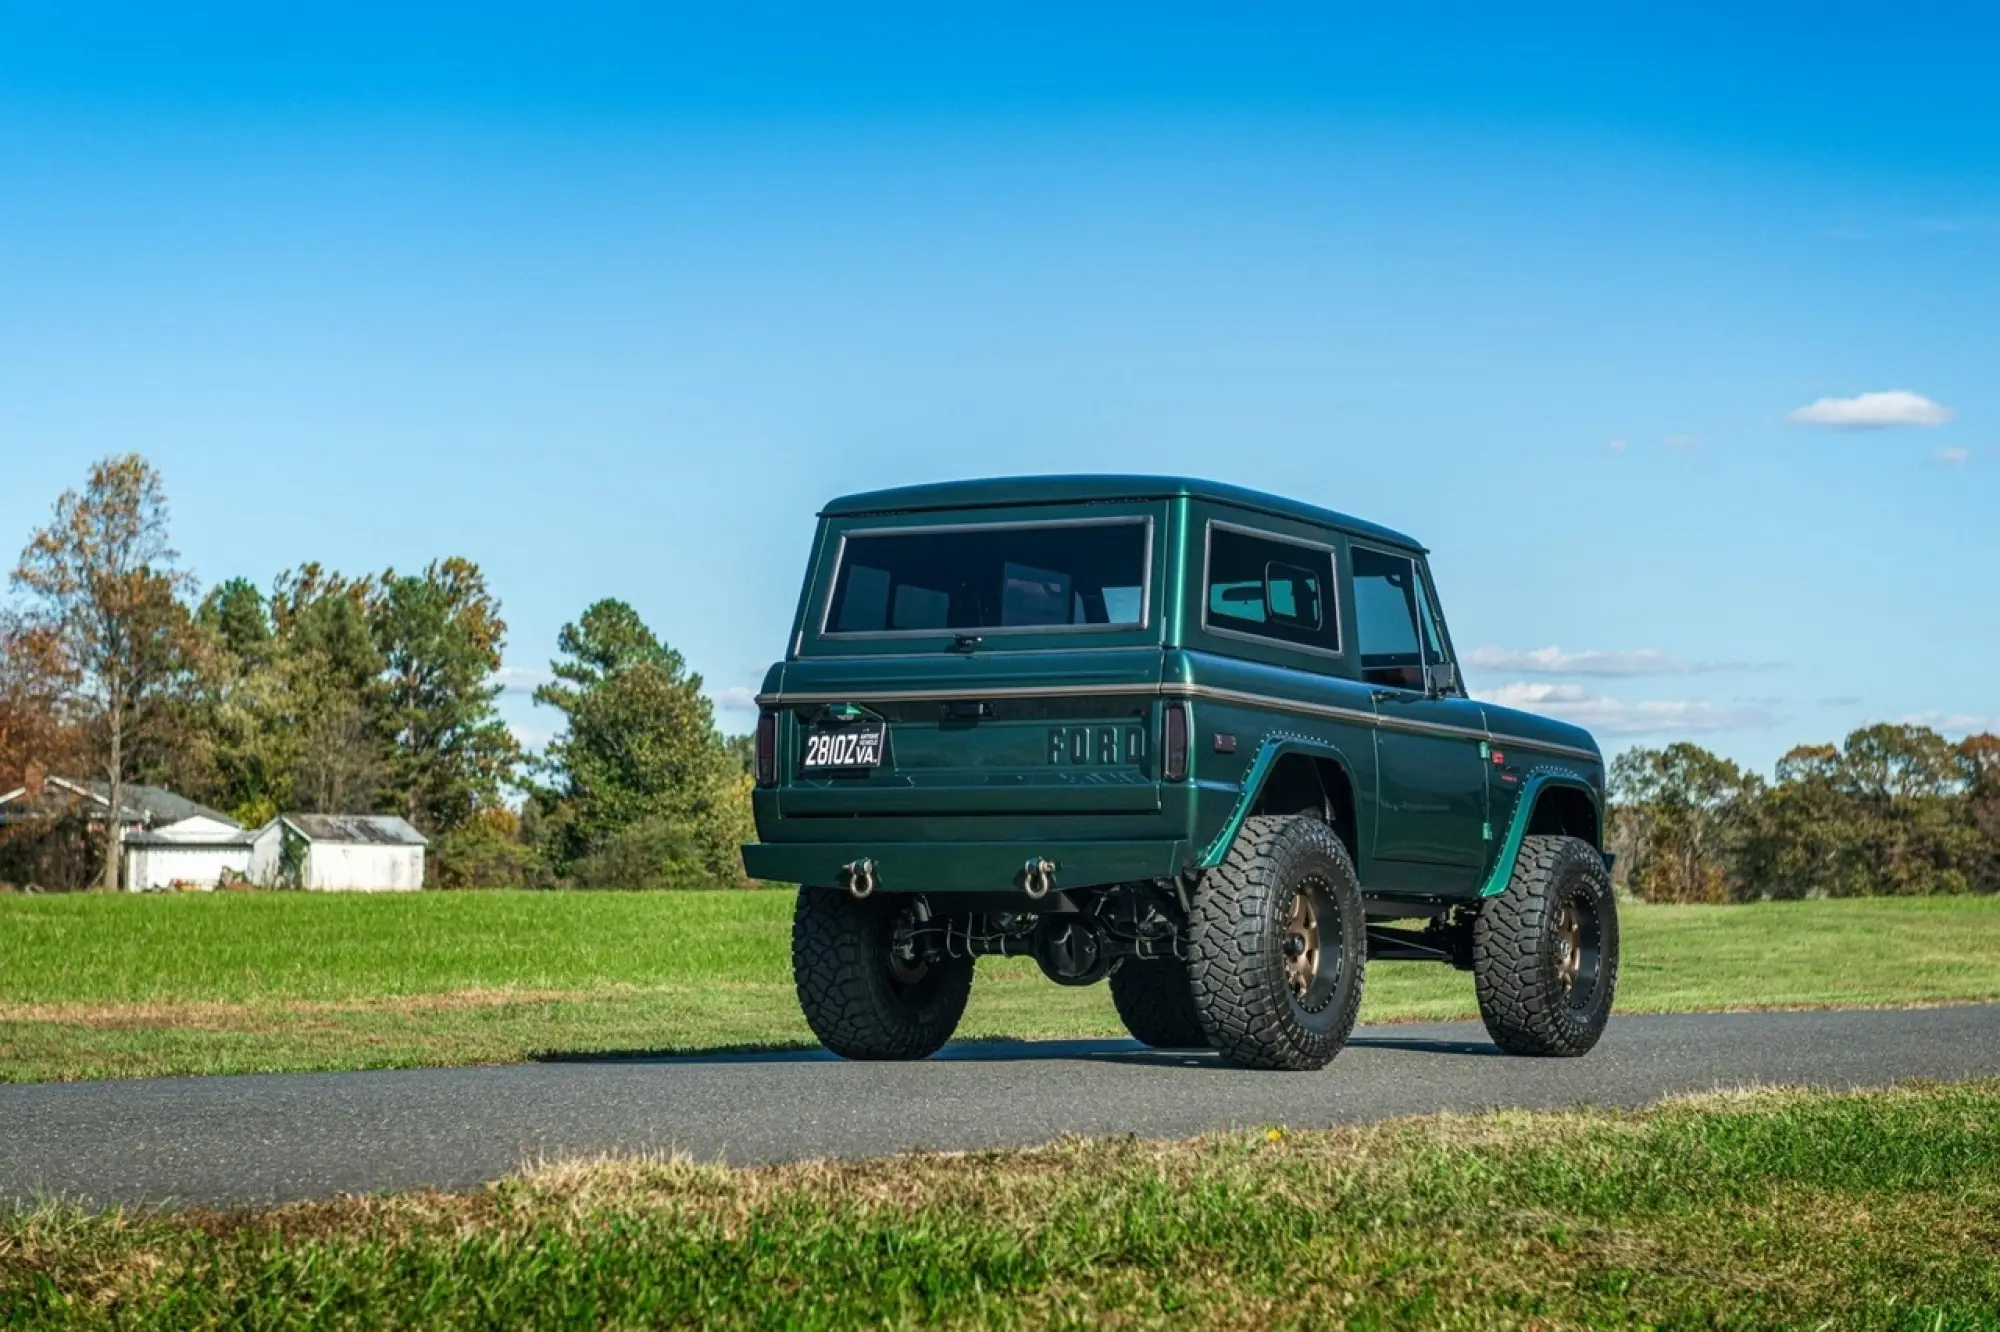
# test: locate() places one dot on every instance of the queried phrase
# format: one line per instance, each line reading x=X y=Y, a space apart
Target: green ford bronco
x=1207 y=743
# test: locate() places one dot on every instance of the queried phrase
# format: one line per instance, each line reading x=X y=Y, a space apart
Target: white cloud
x=1873 y=411
x=1953 y=457
x=1613 y=716
x=734 y=698
x=1954 y=723
x=1642 y=661
x=1617 y=446
x=520 y=679
x=1524 y=694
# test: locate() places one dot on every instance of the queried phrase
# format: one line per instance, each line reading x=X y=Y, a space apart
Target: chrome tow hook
x=858 y=878
x=1037 y=877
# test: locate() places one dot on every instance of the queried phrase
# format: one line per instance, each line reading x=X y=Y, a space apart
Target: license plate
x=834 y=748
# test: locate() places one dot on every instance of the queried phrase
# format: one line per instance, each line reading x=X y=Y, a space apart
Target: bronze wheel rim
x=1579 y=939
x=1569 y=947
x=1302 y=945
x=1311 y=954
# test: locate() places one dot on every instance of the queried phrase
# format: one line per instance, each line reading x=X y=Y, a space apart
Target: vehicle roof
x=1008 y=491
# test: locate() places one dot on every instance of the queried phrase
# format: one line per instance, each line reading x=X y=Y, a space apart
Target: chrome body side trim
x=993 y=693
x=1547 y=747
x=1330 y=711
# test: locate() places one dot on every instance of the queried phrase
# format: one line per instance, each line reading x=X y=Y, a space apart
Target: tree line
x=323 y=692
x=1893 y=810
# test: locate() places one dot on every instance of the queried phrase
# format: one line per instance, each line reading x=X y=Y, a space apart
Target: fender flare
x=1274 y=746
x=1533 y=783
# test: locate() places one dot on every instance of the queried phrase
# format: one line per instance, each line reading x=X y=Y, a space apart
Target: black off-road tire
x=1155 y=1001
x=1237 y=962
x=853 y=998
x=1518 y=958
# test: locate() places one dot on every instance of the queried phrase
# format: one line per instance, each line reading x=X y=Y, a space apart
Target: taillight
x=767 y=748
x=1174 y=749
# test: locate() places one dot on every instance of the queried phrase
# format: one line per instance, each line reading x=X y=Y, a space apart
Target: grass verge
x=1877 y=1209
x=95 y=987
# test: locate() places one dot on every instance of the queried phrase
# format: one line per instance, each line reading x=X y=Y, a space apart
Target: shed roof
x=1006 y=491
x=242 y=837
x=355 y=829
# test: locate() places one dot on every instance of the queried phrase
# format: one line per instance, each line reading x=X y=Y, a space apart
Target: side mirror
x=1441 y=678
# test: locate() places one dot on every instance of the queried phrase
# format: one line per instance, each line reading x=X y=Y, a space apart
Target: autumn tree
x=1684 y=812
x=33 y=684
x=1895 y=809
x=103 y=590
x=1905 y=788
x=1979 y=764
x=639 y=790
x=33 y=741
x=1803 y=839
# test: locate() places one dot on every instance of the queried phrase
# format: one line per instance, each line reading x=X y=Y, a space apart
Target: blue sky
x=609 y=299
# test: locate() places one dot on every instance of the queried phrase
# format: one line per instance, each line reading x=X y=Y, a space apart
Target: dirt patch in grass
x=263 y=1015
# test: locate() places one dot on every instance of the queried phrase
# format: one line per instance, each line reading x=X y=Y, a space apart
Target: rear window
x=1087 y=574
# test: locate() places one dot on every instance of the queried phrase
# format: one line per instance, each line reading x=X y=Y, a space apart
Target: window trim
x=1443 y=627
x=1144 y=622
x=1426 y=594
x=1332 y=553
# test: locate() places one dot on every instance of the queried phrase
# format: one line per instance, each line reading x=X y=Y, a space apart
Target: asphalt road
x=259 y=1139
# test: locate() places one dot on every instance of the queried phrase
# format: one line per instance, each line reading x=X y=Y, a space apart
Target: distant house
x=336 y=852
x=168 y=838
x=171 y=841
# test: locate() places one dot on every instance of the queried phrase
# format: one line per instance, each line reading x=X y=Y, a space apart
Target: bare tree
x=104 y=591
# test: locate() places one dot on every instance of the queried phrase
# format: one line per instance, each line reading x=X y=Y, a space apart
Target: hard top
x=1010 y=491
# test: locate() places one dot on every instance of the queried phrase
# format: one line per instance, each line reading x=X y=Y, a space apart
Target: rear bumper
x=966 y=867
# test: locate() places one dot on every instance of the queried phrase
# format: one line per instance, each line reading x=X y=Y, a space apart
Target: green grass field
x=117 y=986
x=1879 y=1209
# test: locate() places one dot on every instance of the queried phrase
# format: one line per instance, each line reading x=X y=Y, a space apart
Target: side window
x=1271 y=588
x=1395 y=620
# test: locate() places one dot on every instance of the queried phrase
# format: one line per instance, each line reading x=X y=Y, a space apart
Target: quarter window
x=1271 y=588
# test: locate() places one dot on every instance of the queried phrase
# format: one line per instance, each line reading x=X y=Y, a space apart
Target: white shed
x=341 y=852
x=191 y=852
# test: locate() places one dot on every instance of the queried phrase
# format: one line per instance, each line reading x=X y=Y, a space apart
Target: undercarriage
x=1077 y=937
